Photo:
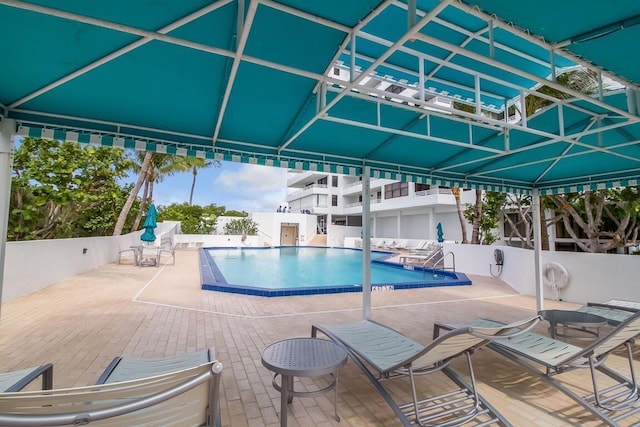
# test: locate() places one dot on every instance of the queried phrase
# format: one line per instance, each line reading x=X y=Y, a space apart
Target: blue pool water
x=309 y=270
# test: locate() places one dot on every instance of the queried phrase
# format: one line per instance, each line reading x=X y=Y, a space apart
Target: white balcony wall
x=302 y=179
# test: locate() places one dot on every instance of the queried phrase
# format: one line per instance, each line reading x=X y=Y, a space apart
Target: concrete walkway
x=80 y=324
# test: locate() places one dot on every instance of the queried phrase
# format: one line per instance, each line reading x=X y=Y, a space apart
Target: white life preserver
x=555 y=276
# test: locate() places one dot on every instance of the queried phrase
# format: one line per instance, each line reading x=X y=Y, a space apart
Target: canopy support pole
x=537 y=248
x=7 y=130
x=366 y=243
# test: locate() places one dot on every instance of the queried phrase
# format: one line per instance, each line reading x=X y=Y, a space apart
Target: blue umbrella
x=440 y=234
x=149 y=225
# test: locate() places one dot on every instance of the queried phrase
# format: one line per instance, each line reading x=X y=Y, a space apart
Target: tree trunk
x=122 y=218
x=193 y=185
x=463 y=226
x=143 y=205
x=475 y=234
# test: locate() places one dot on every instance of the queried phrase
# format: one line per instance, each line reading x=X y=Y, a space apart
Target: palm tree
x=463 y=227
x=133 y=194
x=193 y=164
x=162 y=165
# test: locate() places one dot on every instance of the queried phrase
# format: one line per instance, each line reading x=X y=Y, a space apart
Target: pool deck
x=81 y=323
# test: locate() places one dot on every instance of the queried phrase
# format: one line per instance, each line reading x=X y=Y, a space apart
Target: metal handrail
x=433 y=255
x=453 y=265
x=443 y=257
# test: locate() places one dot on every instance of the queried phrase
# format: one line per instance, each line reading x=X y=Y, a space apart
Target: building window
x=397 y=189
x=334 y=200
x=336 y=71
x=334 y=181
x=422 y=187
x=322 y=181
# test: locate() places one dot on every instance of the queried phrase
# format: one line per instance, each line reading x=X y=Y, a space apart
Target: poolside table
x=573 y=320
x=303 y=357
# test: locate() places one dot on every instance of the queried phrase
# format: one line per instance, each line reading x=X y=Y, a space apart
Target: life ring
x=555 y=276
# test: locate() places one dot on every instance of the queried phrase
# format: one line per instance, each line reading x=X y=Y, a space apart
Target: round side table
x=576 y=320
x=303 y=357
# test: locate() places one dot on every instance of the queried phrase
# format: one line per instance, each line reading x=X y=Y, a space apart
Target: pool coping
x=212 y=279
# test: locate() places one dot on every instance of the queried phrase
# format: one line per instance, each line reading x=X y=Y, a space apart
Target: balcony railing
x=432 y=191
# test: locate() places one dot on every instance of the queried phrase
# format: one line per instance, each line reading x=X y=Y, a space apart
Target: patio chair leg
x=634 y=393
x=415 y=395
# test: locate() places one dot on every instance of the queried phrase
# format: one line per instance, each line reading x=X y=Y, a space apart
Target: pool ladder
x=439 y=258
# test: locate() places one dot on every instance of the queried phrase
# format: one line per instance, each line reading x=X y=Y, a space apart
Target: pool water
x=308 y=270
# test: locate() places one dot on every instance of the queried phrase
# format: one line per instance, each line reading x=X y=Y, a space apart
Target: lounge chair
x=175 y=391
x=548 y=358
x=17 y=380
x=383 y=353
x=615 y=311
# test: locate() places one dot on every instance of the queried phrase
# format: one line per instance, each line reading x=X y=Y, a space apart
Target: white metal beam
x=538 y=41
x=513 y=70
x=409 y=134
x=537 y=249
x=408 y=36
x=7 y=130
x=366 y=242
x=242 y=42
x=147 y=36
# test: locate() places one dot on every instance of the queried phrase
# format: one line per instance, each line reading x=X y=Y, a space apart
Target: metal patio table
x=576 y=320
x=303 y=357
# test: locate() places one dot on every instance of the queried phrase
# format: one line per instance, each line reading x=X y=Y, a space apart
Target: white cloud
x=255 y=176
x=252 y=188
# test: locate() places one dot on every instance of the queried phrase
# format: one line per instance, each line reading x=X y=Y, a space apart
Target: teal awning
x=264 y=82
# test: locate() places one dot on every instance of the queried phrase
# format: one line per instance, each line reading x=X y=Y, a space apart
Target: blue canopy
x=284 y=83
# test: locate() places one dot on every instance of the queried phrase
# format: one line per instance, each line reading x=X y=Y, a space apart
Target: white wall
x=36 y=264
x=386 y=226
x=269 y=224
x=450 y=226
x=217 y=240
x=416 y=227
x=593 y=277
x=341 y=235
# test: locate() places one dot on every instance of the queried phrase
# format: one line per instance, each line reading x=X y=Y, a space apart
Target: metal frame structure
x=598 y=110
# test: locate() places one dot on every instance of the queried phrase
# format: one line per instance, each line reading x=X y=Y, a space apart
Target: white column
x=431 y=226
x=7 y=130
x=537 y=243
x=366 y=243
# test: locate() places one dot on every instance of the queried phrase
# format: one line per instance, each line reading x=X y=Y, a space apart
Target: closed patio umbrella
x=149 y=225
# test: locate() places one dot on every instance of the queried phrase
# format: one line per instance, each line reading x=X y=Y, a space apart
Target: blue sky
x=236 y=186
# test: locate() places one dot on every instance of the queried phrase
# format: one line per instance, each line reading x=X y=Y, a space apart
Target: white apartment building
x=403 y=210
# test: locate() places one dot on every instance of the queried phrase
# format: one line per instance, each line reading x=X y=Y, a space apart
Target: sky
x=236 y=186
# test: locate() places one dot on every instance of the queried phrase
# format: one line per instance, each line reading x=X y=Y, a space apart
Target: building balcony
x=300 y=180
x=307 y=191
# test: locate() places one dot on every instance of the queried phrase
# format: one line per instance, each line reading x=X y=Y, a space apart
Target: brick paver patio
x=80 y=324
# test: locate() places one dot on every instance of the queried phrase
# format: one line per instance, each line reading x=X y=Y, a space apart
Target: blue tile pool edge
x=212 y=278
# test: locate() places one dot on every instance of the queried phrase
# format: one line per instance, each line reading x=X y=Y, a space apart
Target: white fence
x=34 y=265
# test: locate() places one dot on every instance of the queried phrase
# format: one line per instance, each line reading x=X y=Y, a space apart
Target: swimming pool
x=288 y=270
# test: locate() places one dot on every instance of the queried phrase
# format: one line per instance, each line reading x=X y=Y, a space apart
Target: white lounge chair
x=615 y=311
x=383 y=353
x=548 y=358
x=181 y=397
